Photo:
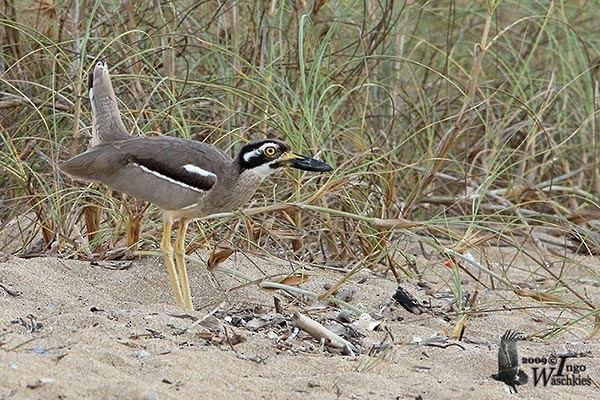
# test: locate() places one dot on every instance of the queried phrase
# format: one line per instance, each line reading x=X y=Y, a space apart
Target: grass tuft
x=464 y=134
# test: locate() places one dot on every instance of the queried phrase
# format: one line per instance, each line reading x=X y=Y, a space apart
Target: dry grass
x=454 y=127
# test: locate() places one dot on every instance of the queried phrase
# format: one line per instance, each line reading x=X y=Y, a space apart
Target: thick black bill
x=306 y=163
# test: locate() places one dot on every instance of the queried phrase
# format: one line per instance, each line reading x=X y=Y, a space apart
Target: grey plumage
x=107 y=125
x=184 y=178
x=118 y=164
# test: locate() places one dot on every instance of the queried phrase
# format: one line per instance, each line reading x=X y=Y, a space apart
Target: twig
x=319 y=332
x=359 y=266
x=261 y=281
x=378 y=223
x=205 y=317
x=10 y=292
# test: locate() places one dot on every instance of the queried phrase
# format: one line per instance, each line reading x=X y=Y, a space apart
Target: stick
x=319 y=332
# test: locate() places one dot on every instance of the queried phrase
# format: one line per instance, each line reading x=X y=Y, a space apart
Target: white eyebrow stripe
x=257 y=152
x=166 y=178
x=194 y=169
x=252 y=154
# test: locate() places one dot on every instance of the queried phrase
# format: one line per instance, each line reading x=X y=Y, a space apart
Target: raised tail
x=521 y=378
x=107 y=125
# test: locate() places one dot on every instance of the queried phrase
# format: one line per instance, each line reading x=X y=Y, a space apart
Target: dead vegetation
x=463 y=135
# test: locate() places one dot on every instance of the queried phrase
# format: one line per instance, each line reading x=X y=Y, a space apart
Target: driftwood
x=319 y=332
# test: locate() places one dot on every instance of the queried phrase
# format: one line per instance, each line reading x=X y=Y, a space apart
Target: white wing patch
x=194 y=169
x=166 y=178
x=91 y=95
x=190 y=206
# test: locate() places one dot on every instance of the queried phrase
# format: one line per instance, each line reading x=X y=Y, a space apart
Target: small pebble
x=344 y=317
x=142 y=354
x=152 y=395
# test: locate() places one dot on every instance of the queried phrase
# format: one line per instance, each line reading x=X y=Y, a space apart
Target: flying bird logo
x=508 y=361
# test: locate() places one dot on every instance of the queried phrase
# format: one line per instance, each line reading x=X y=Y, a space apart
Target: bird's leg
x=167 y=250
x=179 y=257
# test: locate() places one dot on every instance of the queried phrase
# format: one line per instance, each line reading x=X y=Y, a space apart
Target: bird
x=508 y=361
x=185 y=179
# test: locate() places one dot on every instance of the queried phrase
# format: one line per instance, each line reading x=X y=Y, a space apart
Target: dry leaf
x=460 y=325
x=543 y=297
x=218 y=256
x=291 y=280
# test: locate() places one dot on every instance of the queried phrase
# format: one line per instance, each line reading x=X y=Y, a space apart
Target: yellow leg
x=181 y=268
x=167 y=251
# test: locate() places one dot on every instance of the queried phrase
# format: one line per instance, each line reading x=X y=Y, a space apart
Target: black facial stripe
x=253 y=162
x=260 y=158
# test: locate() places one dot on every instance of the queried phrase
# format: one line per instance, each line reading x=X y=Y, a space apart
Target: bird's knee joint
x=179 y=252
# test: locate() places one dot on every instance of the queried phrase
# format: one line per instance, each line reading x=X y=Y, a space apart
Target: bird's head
x=266 y=156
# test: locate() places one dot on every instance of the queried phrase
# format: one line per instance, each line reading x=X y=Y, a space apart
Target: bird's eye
x=270 y=151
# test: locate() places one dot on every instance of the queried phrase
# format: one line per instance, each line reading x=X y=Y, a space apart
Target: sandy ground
x=78 y=330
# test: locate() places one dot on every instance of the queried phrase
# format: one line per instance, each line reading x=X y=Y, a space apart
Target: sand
x=79 y=330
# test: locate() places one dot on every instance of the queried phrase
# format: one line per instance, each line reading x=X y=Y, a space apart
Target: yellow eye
x=270 y=151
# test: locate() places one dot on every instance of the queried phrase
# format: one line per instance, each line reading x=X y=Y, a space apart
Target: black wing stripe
x=178 y=175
